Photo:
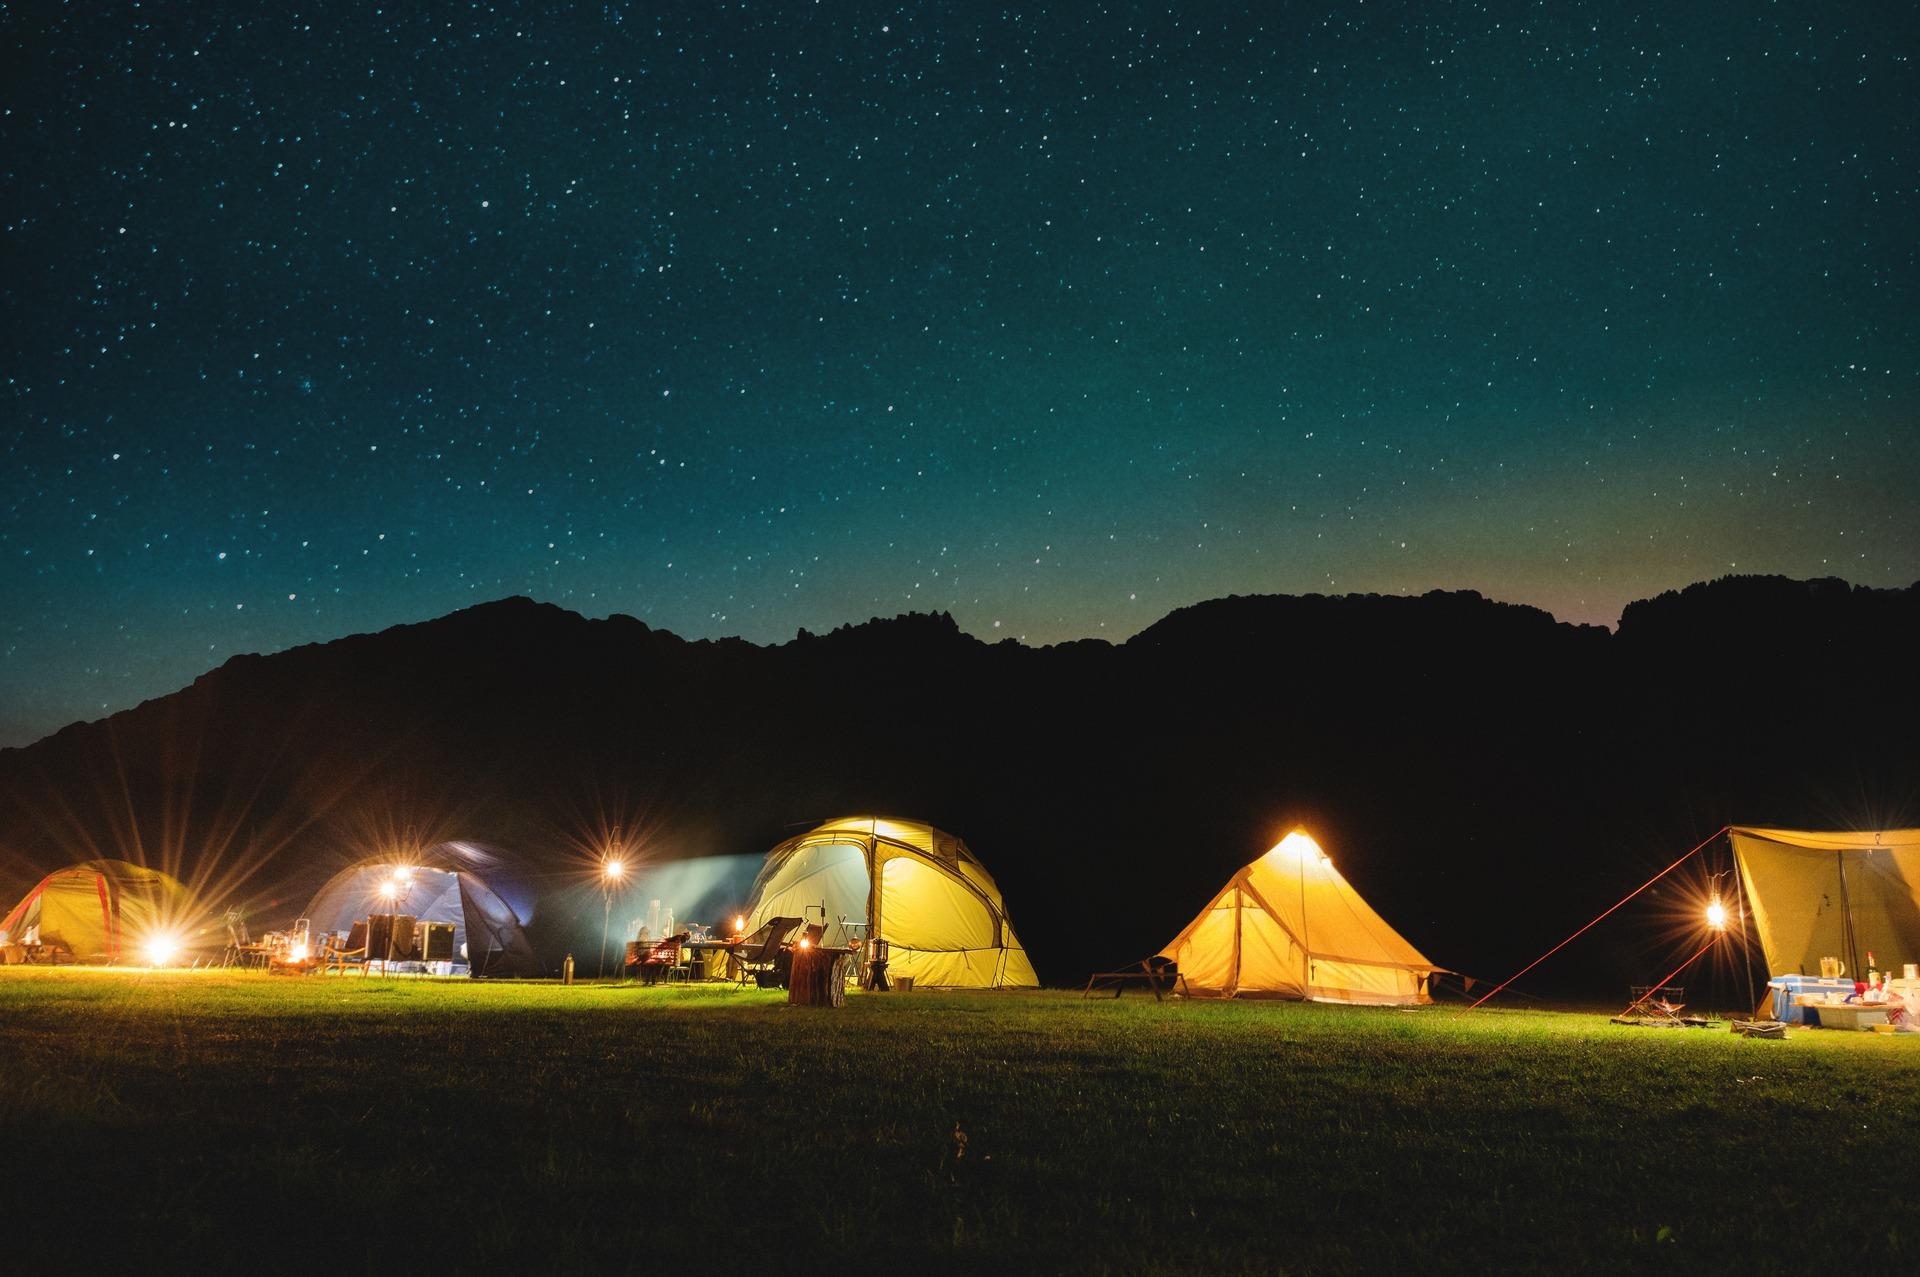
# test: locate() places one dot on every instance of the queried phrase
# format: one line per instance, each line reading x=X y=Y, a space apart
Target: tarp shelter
x=438 y=886
x=101 y=910
x=916 y=887
x=1290 y=926
x=1842 y=895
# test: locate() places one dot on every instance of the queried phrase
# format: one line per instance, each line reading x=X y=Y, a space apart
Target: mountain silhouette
x=1487 y=777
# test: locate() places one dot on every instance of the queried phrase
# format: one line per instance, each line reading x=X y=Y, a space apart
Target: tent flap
x=1811 y=891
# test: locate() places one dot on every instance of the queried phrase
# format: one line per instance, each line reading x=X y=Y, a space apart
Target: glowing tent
x=438 y=886
x=1289 y=926
x=1843 y=895
x=101 y=911
x=918 y=888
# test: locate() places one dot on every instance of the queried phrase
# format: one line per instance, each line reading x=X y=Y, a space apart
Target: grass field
x=249 y=1122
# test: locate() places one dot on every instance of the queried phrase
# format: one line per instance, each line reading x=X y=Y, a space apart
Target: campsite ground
x=252 y=1122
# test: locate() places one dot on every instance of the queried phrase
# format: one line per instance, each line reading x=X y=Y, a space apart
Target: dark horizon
x=989 y=637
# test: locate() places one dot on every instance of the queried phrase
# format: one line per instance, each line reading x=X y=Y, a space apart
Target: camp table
x=1858 y=1016
x=702 y=948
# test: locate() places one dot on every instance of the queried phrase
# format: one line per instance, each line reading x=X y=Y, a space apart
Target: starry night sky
x=743 y=318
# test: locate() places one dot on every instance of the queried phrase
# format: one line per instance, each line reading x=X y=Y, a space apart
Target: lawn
x=247 y=1122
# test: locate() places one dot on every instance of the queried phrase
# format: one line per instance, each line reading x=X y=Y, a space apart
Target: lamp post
x=390 y=892
x=612 y=871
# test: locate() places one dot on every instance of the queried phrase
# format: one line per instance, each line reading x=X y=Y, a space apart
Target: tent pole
x=1616 y=904
x=1746 y=942
x=1846 y=919
x=1306 y=933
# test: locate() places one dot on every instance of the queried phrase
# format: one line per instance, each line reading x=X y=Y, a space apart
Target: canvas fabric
x=485 y=927
x=936 y=905
x=1291 y=926
x=101 y=910
x=1793 y=882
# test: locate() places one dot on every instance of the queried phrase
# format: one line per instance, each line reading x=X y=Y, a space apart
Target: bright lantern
x=1717 y=916
x=739 y=924
x=1300 y=846
x=162 y=949
x=615 y=870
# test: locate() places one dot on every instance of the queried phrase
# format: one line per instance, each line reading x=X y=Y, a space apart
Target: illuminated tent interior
x=920 y=889
x=1842 y=895
x=439 y=886
x=101 y=911
x=1290 y=926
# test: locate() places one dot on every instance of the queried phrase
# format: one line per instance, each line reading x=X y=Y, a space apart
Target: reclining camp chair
x=352 y=952
x=780 y=975
x=761 y=950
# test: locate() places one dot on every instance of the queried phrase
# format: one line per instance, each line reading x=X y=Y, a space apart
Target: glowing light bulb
x=615 y=870
x=162 y=949
x=739 y=923
x=1717 y=915
x=1300 y=846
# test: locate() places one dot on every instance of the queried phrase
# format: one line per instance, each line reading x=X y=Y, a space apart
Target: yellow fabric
x=1290 y=926
x=101 y=910
x=937 y=907
x=926 y=903
x=1792 y=879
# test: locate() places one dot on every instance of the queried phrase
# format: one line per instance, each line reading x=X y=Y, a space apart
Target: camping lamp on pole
x=613 y=870
x=390 y=892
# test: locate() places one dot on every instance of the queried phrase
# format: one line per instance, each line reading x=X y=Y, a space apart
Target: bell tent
x=1842 y=895
x=103 y=911
x=438 y=886
x=916 y=887
x=1290 y=926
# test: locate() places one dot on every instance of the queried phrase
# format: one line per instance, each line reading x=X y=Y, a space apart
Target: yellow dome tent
x=102 y=911
x=1832 y=894
x=1289 y=926
x=916 y=887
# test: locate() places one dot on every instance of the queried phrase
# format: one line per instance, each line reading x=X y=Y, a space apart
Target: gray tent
x=438 y=886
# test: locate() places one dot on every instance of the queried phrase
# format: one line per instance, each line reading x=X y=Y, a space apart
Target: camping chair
x=1659 y=1005
x=343 y=954
x=241 y=950
x=780 y=974
x=662 y=960
x=761 y=950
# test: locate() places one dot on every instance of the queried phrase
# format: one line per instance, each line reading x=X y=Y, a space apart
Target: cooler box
x=1788 y=989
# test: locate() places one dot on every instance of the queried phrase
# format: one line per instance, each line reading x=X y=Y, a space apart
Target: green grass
x=249 y=1122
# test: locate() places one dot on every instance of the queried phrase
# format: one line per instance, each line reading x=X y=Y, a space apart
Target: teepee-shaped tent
x=918 y=888
x=1289 y=926
x=101 y=911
